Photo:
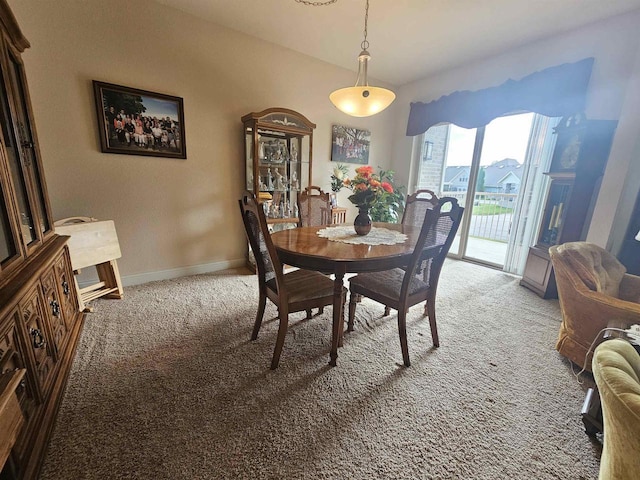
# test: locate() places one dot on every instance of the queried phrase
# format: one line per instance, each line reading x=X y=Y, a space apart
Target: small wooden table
x=93 y=243
x=302 y=247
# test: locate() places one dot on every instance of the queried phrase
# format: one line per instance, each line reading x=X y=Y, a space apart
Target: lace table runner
x=377 y=236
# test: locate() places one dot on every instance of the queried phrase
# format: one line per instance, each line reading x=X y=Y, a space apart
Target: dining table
x=339 y=250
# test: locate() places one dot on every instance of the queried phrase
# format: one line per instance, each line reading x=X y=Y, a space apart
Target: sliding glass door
x=496 y=173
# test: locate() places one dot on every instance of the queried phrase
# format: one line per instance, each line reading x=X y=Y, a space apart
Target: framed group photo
x=350 y=145
x=138 y=122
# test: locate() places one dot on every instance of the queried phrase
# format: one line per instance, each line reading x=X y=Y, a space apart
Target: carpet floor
x=167 y=385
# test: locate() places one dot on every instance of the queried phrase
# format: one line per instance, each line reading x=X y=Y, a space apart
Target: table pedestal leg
x=338 y=322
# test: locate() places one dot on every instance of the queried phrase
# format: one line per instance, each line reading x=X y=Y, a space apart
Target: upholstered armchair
x=616 y=369
x=593 y=289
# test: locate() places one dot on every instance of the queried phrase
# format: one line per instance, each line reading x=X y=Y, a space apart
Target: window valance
x=555 y=92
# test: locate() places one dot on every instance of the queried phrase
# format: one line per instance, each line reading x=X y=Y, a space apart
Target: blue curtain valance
x=555 y=92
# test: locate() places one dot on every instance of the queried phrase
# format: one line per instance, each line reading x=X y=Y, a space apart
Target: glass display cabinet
x=278 y=154
x=576 y=170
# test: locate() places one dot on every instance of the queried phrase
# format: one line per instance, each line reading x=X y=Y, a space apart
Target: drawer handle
x=38 y=338
x=55 y=308
x=65 y=288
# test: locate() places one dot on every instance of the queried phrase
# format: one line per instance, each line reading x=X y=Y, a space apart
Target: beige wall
x=173 y=217
x=614 y=83
x=176 y=217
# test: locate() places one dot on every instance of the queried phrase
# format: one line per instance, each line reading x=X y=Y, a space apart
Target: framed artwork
x=350 y=145
x=138 y=122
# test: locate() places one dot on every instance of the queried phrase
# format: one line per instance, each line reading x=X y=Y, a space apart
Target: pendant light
x=362 y=100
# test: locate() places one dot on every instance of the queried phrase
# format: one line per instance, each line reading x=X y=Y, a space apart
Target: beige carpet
x=167 y=385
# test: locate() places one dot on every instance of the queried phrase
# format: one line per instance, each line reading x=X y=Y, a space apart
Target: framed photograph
x=350 y=145
x=138 y=122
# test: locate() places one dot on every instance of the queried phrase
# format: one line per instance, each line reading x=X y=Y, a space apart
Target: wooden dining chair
x=314 y=210
x=298 y=290
x=401 y=288
x=314 y=207
x=416 y=207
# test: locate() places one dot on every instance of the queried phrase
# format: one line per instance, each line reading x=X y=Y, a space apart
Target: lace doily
x=377 y=236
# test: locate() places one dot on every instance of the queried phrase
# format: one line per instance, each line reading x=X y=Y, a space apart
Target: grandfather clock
x=577 y=166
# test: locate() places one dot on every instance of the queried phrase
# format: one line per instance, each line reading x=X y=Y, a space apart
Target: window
x=496 y=172
x=428 y=151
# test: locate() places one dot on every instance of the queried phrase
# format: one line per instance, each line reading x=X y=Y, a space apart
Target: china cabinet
x=40 y=321
x=576 y=170
x=278 y=153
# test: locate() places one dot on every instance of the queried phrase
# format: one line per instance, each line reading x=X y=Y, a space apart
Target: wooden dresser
x=40 y=321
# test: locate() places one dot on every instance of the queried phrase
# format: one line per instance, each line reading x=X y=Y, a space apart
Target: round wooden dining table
x=302 y=247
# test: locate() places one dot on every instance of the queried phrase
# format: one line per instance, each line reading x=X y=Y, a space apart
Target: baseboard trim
x=140 y=278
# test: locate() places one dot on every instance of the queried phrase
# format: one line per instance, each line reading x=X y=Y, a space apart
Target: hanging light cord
x=365 y=43
x=316 y=4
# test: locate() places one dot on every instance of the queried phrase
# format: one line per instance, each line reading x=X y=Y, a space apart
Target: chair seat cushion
x=387 y=283
x=305 y=285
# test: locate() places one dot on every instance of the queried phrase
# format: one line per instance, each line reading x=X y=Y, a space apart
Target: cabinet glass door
x=305 y=162
x=27 y=224
x=7 y=242
x=555 y=212
x=248 y=149
x=27 y=142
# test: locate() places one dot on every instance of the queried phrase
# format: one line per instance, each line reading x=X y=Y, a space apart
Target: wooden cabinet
x=577 y=166
x=630 y=252
x=278 y=154
x=13 y=358
x=40 y=321
x=38 y=333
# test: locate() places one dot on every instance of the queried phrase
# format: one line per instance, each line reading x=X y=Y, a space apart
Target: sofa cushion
x=616 y=370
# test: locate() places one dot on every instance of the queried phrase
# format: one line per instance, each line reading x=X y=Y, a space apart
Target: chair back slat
x=314 y=207
x=255 y=224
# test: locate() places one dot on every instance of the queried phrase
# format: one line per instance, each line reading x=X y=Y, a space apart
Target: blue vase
x=362 y=222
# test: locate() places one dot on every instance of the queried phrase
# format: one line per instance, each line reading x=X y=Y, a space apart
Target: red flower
x=365 y=171
x=387 y=186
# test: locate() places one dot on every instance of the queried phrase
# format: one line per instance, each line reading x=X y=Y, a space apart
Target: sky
x=505 y=137
x=160 y=108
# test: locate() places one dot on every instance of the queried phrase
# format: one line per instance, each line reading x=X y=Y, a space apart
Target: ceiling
x=409 y=39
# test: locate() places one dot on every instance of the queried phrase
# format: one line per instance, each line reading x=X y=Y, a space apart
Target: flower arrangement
x=367 y=187
x=376 y=193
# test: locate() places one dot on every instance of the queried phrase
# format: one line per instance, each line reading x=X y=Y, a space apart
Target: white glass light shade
x=361 y=101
